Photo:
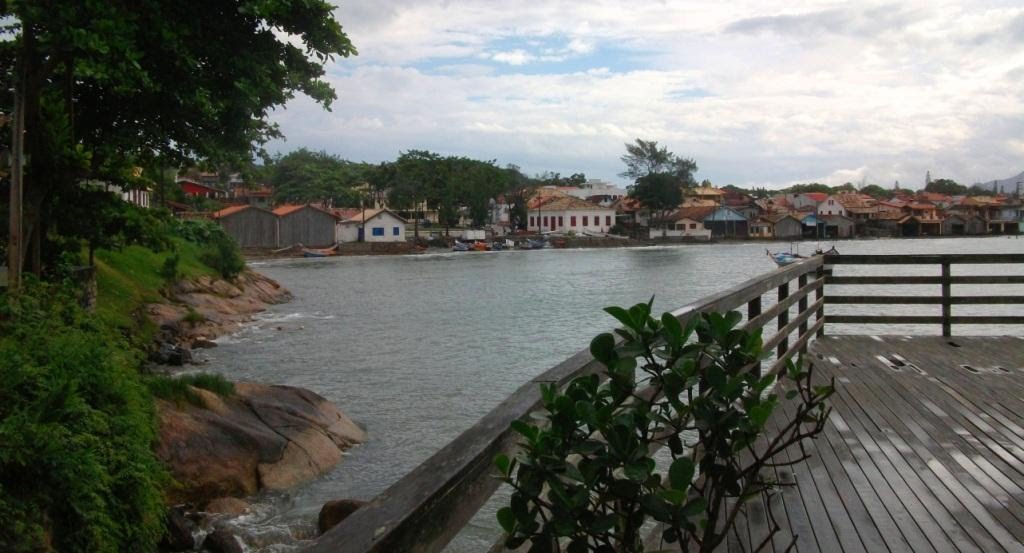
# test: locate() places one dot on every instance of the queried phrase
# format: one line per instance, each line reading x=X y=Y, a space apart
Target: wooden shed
x=838 y=226
x=787 y=227
x=250 y=226
x=305 y=224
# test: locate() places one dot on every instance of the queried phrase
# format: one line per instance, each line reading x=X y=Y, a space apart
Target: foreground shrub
x=586 y=478
x=76 y=426
x=220 y=251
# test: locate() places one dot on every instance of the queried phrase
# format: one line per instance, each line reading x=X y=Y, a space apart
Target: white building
x=684 y=227
x=832 y=205
x=567 y=213
x=372 y=225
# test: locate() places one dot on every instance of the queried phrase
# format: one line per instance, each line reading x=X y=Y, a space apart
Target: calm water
x=418 y=348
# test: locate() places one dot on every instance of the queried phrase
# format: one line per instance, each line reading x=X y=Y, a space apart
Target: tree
x=644 y=157
x=304 y=176
x=811 y=187
x=659 y=192
x=518 y=189
x=875 y=191
x=945 y=186
x=100 y=86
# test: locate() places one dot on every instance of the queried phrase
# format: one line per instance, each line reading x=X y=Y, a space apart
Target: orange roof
x=288 y=209
x=230 y=210
x=816 y=196
x=566 y=203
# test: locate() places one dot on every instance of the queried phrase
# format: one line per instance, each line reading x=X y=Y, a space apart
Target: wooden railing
x=428 y=507
x=945 y=280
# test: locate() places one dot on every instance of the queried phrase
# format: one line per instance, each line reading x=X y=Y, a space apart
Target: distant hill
x=1007 y=186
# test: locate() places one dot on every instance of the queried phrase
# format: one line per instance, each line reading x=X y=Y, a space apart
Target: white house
x=832 y=205
x=682 y=227
x=372 y=225
x=566 y=213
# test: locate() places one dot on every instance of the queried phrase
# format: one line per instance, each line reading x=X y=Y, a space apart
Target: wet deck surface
x=924 y=451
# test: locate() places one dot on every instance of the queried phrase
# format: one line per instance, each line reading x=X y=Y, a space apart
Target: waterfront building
x=308 y=225
x=838 y=226
x=806 y=200
x=562 y=213
x=258 y=196
x=250 y=226
x=786 y=226
x=680 y=225
x=832 y=205
x=726 y=222
x=372 y=225
x=199 y=190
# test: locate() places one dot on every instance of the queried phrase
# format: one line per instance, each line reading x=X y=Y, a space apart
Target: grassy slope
x=129 y=278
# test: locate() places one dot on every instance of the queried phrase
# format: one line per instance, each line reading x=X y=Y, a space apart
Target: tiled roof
x=229 y=211
x=288 y=209
x=567 y=203
x=816 y=196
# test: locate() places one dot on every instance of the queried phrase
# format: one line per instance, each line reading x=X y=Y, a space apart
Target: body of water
x=418 y=348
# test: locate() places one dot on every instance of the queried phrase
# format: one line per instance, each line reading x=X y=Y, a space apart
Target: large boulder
x=333 y=512
x=222 y=540
x=179 y=532
x=263 y=437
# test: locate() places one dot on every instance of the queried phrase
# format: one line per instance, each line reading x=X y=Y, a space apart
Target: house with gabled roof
x=569 y=214
x=308 y=225
x=250 y=226
x=372 y=225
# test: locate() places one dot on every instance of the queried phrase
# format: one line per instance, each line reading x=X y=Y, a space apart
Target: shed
x=250 y=226
x=954 y=225
x=305 y=224
x=787 y=227
x=837 y=226
x=726 y=222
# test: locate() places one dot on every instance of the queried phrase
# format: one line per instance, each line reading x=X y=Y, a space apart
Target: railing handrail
x=946 y=299
x=427 y=507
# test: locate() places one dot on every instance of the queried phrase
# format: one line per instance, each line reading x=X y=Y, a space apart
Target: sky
x=757 y=93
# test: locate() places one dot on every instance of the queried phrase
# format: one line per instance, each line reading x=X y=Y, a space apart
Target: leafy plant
x=586 y=479
x=169 y=270
x=220 y=251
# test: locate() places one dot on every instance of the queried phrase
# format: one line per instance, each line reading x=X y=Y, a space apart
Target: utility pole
x=14 y=244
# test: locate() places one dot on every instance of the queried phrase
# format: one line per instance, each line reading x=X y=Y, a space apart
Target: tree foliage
x=112 y=85
x=645 y=157
x=945 y=186
x=876 y=192
x=305 y=176
x=586 y=477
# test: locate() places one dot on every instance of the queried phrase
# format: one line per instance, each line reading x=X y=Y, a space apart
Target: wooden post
x=801 y=282
x=783 y=320
x=753 y=310
x=818 y=294
x=946 y=309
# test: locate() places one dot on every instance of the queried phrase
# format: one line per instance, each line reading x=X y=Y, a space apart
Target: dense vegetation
x=76 y=428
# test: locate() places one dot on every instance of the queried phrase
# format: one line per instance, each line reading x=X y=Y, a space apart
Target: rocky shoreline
x=225 y=448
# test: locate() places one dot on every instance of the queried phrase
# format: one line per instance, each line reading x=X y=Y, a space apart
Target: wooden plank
x=983 y=300
x=779 y=338
x=900 y=279
x=780 y=363
x=922 y=300
x=782 y=337
x=987 y=320
x=946 y=307
x=885 y=319
x=923 y=259
x=802 y=282
x=763 y=317
x=818 y=295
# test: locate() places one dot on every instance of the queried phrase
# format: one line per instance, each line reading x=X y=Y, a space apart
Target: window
x=607 y=220
x=545 y=220
x=394 y=231
x=531 y=220
x=586 y=220
x=560 y=221
x=572 y=220
x=693 y=225
x=378 y=231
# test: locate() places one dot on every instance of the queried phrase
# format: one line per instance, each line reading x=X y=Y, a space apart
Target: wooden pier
x=924 y=450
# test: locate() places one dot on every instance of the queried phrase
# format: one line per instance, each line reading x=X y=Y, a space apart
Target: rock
x=264 y=437
x=203 y=343
x=179 y=532
x=170 y=354
x=227 y=506
x=222 y=541
x=336 y=511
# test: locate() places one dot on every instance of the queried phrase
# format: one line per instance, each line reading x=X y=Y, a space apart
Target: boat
x=497 y=246
x=531 y=244
x=479 y=246
x=784 y=258
x=460 y=247
x=325 y=252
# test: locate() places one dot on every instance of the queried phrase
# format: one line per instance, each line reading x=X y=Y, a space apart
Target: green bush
x=178 y=389
x=219 y=250
x=77 y=472
x=586 y=479
x=169 y=270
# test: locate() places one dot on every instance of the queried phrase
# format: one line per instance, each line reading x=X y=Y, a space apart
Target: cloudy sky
x=756 y=94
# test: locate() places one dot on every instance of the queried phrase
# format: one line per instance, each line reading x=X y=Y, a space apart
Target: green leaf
x=680 y=473
x=506 y=519
x=502 y=462
x=604 y=523
x=673 y=329
x=622 y=316
x=695 y=507
x=602 y=347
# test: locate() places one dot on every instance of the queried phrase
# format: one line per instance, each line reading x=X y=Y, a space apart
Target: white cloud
x=755 y=93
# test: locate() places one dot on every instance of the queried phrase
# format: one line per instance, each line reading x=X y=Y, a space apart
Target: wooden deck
x=924 y=451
